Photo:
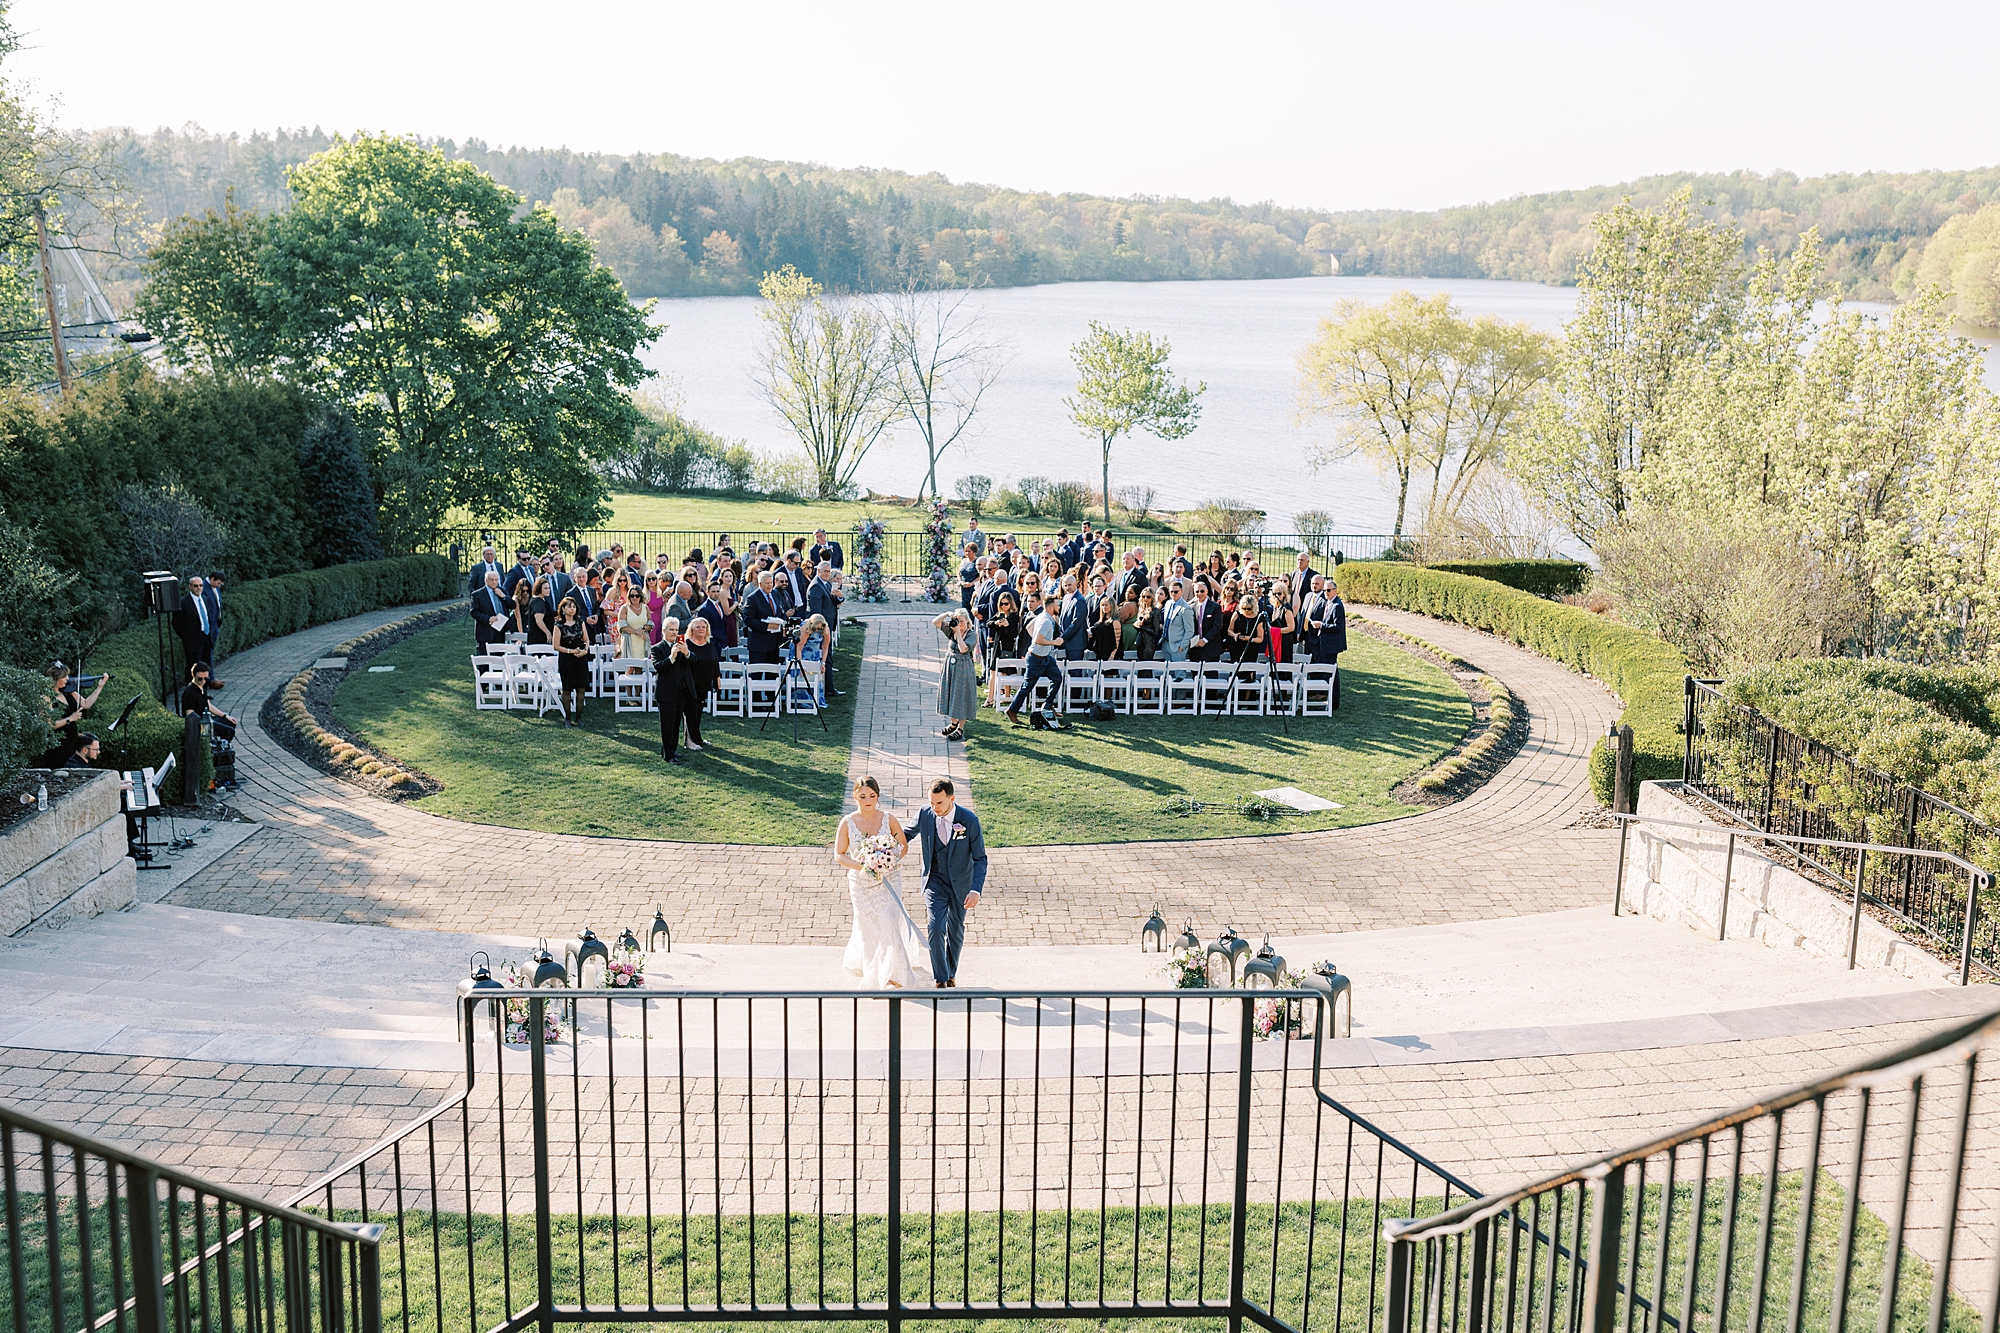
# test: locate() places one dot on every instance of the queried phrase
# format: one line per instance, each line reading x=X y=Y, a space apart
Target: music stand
x=125 y=716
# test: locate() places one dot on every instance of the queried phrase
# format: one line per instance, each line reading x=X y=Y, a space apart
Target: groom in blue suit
x=954 y=872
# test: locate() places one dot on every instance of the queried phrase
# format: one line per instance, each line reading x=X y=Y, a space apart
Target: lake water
x=1243 y=338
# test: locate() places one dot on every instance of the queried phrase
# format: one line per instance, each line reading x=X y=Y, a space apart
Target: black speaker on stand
x=162 y=600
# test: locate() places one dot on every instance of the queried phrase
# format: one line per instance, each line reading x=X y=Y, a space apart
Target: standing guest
x=723 y=592
x=489 y=612
x=1300 y=582
x=1179 y=624
x=560 y=582
x=656 y=608
x=213 y=593
x=572 y=644
x=1104 y=631
x=680 y=607
x=1245 y=635
x=823 y=600
x=707 y=655
x=792 y=581
x=1326 y=629
x=958 y=686
x=523 y=571
x=1284 y=621
x=521 y=614
x=489 y=563
x=974 y=537
x=1206 y=643
x=1075 y=631
x=1150 y=625
x=192 y=624
x=635 y=637
x=544 y=611
x=710 y=614
x=1044 y=637
x=635 y=570
x=1051 y=573
x=825 y=551
x=763 y=620
x=674 y=692
x=1007 y=629
x=968 y=577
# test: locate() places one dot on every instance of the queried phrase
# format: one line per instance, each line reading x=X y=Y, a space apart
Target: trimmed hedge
x=251 y=614
x=25 y=735
x=1646 y=672
x=1543 y=578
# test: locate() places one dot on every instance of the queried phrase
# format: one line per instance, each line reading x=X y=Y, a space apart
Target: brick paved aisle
x=896 y=722
x=331 y=852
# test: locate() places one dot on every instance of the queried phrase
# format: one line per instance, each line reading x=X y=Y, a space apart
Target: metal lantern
x=1266 y=967
x=1154 y=932
x=1338 y=1002
x=589 y=955
x=659 y=932
x=628 y=943
x=1231 y=946
x=486 y=1016
x=1189 y=943
x=548 y=972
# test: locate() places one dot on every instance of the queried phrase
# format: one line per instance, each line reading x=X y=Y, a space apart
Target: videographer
x=66 y=712
x=1044 y=637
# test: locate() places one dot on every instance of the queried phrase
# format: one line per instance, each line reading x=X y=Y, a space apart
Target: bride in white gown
x=886 y=948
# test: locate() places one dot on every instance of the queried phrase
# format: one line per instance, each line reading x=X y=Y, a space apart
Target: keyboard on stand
x=142 y=803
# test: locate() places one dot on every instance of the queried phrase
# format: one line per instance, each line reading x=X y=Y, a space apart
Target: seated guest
x=194 y=699
x=489 y=612
x=1149 y=626
x=1244 y=637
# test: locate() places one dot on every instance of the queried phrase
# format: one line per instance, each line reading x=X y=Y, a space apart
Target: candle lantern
x=548 y=972
x=1265 y=968
x=1229 y=946
x=486 y=1017
x=1188 y=943
x=1337 y=1004
x=1154 y=932
x=589 y=956
x=659 y=932
x=627 y=942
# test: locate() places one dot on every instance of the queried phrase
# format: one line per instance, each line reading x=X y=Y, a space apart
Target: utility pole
x=49 y=298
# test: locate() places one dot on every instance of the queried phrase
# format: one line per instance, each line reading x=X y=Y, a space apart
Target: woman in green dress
x=958 y=693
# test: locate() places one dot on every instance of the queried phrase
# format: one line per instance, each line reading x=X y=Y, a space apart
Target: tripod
x=791 y=669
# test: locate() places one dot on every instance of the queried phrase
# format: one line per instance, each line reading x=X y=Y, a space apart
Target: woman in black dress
x=521 y=617
x=541 y=613
x=1103 y=636
x=572 y=643
x=1152 y=626
x=1244 y=637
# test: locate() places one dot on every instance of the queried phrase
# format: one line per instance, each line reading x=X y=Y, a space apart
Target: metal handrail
x=1927 y=1053
x=125 y=1157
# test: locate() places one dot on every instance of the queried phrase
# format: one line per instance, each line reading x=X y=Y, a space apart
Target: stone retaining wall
x=1676 y=875
x=68 y=862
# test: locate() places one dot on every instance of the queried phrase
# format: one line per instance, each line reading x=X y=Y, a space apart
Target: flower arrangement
x=515 y=1027
x=878 y=854
x=869 y=540
x=938 y=551
x=1189 y=971
x=1279 y=1018
x=625 y=971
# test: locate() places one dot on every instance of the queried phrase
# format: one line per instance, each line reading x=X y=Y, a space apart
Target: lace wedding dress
x=886 y=947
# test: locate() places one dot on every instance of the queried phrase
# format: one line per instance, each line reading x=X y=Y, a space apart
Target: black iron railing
x=905 y=555
x=881 y=1158
x=102 y=1238
x=1864 y=1200
x=1756 y=772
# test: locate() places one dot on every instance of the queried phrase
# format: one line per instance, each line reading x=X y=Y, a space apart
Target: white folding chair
x=489 y=683
x=1114 y=685
x=1079 y=686
x=1316 y=690
x=1183 y=689
x=1149 y=694
x=1251 y=690
x=1284 y=692
x=727 y=698
x=760 y=690
x=632 y=691
x=524 y=680
x=804 y=698
x=603 y=656
x=548 y=683
x=1008 y=675
x=736 y=655
x=1216 y=687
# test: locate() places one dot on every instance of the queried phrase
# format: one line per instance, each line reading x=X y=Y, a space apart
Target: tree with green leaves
x=1661 y=289
x=1423 y=391
x=485 y=353
x=1124 y=384
x=827 y=371
x=334 y=471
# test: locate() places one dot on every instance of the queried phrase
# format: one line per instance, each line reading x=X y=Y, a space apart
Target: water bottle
x=42 y=798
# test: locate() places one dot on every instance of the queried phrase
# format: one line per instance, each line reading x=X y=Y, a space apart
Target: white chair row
x=1179 y=689
x=530 y=680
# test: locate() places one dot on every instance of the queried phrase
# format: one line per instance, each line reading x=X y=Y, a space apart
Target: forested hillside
x=675 y=226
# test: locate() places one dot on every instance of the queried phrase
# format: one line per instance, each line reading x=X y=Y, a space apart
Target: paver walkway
x=896 y=722
x=331 y=852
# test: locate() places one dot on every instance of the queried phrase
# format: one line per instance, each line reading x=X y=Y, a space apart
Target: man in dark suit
x=791 y=582
x=759 y=609
x=487 y=603
x=824 y=552
x=1205 y=644
x=579 y=592
x=1326 y=627
x=1075 y=622
x=560 y=583
x=489 y=559
x=524 y=568
x=193 y=625
x=1301 y=581
x=954 y=855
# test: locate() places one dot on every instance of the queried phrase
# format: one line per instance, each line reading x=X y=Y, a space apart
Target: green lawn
x=1113 y=781
x=515 y=769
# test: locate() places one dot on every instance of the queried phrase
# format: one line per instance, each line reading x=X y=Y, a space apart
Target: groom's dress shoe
x=953 y=983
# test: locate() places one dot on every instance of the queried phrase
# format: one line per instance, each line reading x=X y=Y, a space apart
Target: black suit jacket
x=820 y=601
x=476 y=580
x=829 y=553
x=188 y=628
x=757 y=608
x=487 y=603
x=1207 y=617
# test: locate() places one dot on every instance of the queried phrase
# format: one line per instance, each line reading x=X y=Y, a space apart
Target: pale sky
x=1323 y=105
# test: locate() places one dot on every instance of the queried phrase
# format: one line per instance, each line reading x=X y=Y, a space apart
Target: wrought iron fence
x=905 y=555
x=1867 y=1199
x=102 y=1238
x=1751 y=769
x=882 y=1158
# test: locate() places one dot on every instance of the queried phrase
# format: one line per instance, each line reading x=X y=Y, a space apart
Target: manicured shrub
x=1646 y=672
x=252 y=613
x=24 y=719
x=1543 y=578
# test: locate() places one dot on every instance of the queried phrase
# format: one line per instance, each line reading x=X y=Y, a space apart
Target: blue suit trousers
x=946 y=909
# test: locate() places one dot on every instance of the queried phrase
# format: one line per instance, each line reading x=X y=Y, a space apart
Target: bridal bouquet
x=878 y=854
